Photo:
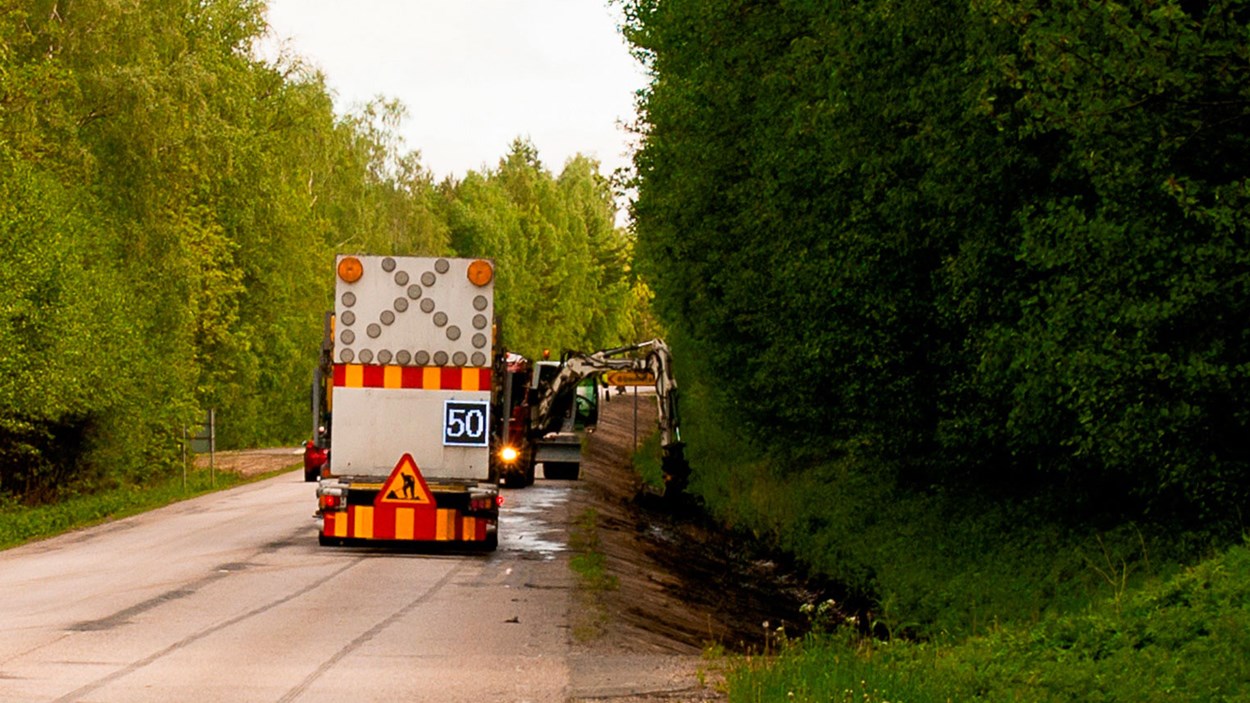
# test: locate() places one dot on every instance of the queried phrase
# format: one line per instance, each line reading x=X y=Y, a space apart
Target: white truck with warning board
x=403 y=404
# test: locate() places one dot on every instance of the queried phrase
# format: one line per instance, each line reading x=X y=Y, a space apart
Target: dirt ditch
x=680 y=584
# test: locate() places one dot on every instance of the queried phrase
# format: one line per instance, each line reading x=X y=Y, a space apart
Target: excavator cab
x=586 y=409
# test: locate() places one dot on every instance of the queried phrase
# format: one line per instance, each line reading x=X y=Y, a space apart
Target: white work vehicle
x=404 y=402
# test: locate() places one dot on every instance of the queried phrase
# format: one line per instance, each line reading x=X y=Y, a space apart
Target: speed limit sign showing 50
x=465 y=423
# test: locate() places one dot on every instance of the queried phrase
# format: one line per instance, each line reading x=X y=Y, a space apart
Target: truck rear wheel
x=562 y=470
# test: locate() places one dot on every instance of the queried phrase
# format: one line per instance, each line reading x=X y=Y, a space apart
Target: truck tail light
x=329 y=502
x=509 y=454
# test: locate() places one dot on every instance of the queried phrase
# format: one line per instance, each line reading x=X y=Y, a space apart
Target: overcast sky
x=475 y=74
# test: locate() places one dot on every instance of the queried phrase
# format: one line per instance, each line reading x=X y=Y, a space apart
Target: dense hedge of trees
x=997 y=245
x=169 y=210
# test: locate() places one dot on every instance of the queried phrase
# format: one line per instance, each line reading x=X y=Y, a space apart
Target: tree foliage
x=564 y=276
x=999 y=245
x=169 y=210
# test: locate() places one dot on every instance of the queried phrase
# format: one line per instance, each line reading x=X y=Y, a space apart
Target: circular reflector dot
x=440 y=319
x=347 y=356
x=366 y=356
x=460 y=359
x=479 y=359
x=403 y=357
x=440 y=358
x=441 y=265
x=373 y=330
x=427 y=305
x=384 y=356
x=480 y=302
x=428 y=278
x=422 y=358
x=414 y=292
x=479 y=340
x=388 y=317
x=479 y=322
x=348 y=337
x=349 y=299
x=348 y=318
x=453 y=333
x=388 y=264
x=401 y=304
x=401 y=278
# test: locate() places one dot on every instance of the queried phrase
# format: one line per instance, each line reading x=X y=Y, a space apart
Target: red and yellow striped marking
x=436 y=378
x=435 y=525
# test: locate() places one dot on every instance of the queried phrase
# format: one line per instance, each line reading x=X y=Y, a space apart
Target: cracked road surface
x=227 y=597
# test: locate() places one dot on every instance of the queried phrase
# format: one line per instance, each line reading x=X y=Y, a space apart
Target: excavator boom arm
x=556 y=396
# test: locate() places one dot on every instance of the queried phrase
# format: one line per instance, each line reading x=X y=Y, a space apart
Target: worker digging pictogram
x=408 y=312
x=405 y=485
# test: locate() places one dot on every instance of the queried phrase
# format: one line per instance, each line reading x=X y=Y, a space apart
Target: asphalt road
x=227 y=597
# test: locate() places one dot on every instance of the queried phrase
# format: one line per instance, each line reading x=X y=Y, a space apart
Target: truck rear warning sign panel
x=412 y=365
x=405 y=375
x=411 y=311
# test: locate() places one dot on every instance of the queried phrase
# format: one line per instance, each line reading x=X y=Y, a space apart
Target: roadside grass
x=20 y=524
x=819 y=669
x=1181 y=639
x=932 y=565
x=593 y=579
x=964 y=598
x=647 y=461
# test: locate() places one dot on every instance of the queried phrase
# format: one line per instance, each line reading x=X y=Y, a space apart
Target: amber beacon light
x=350 y=269
x=480 y=272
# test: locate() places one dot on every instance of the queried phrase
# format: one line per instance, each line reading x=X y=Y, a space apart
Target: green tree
x=998 y=247
x=563 y=280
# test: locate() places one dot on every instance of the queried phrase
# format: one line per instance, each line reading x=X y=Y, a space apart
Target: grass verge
x=21 y=524
x=593 y=579
x=1178 y=639
x=648 y=463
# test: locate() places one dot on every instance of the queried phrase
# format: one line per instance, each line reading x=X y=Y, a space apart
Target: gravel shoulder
x=253 y=462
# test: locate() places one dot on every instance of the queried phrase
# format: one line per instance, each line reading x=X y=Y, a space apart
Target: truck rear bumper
x=360 y=522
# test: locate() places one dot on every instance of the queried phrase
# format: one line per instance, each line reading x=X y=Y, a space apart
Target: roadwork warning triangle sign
x=405 y=485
